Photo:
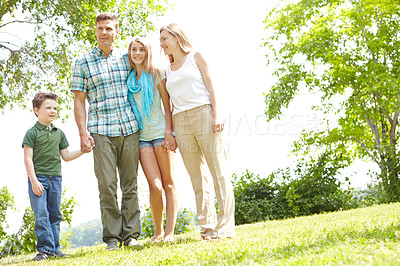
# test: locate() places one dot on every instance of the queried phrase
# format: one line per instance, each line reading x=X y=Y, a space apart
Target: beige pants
x=198 y=144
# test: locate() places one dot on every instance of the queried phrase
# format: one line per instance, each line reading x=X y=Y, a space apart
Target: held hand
x=218 y=127
x=37 y=188
x=87 y=143
x=172 y=142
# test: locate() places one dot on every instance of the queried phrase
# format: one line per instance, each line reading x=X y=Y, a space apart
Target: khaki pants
x=110 y=154
x=199 y=145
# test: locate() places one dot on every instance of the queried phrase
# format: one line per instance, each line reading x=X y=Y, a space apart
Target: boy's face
x=47 y=112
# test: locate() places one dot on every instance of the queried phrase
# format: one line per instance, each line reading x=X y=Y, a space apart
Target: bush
x=185 y=222
x=24 y=241
x=259 y=199
x=312 y=188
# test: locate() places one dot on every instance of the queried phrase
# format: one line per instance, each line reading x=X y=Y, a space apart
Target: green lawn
x=368 y=236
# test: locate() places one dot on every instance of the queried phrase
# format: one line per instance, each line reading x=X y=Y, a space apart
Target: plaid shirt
x=103 y=79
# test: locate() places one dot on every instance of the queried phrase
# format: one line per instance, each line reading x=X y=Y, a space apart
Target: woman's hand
x=169 y=142
x=217 y=126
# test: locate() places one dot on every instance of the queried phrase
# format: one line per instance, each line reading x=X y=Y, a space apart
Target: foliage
x=24 y=240
x=260 y=199
x=316 y=188
x=87 y=234
x=185 y=222
x=6 y=203
x=40 y=39
x=311 y=188
x=365 y=236
x=348 y=53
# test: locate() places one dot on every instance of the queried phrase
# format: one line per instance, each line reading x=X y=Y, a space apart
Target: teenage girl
x=146 y=86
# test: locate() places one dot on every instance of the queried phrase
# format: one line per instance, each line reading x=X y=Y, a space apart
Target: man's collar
x=97 y=51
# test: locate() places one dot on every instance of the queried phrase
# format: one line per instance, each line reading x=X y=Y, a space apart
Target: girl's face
x=138 y=53
x=168 y=42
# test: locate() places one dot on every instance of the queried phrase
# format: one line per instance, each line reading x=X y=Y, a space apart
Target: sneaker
x=60 y=254
x=41 y=256
x=134 y=243
x=112 y=245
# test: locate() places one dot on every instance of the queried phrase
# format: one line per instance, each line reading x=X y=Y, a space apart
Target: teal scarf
x=146 y=86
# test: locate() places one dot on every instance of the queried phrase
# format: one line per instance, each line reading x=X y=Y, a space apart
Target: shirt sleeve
x=79 y=80
x=63 y=141
x=29 y=139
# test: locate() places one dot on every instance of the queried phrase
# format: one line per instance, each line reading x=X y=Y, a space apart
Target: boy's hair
x=40 y=97
x=107 y=16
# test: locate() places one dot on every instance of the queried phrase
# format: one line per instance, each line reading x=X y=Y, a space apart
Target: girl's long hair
x=148 y=64
x=180 y=35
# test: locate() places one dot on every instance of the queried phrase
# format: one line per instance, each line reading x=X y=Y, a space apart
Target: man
x=100 y=77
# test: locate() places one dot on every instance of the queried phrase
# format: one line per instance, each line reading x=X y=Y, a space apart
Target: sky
x=229 y=34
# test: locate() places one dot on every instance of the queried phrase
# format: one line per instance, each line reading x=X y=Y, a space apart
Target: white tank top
x=186 y=86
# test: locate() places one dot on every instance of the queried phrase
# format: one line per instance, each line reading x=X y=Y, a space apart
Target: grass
x=368 y=236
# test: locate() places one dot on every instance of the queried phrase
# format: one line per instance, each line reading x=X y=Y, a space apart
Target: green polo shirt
x=46 y=147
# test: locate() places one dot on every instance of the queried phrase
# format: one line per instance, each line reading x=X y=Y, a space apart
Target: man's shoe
x=134 y=243
x=112 y=245
x=41 y=256
x=60 y=254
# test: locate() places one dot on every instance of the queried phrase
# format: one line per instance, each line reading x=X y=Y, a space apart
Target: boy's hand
x=37 y=188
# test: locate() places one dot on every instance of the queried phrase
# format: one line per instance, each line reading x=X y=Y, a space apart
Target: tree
x=348 y=52
x=38 y=54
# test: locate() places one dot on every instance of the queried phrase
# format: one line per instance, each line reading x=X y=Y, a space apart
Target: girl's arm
x=70 y=155
x=218 y=125
x=37 y=187
x=168 y=114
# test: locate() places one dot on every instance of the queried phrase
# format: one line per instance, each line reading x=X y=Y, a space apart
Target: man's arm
x=80 y=119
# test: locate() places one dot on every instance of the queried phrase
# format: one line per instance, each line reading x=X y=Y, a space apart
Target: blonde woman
x=198 y=132
x=146 y=86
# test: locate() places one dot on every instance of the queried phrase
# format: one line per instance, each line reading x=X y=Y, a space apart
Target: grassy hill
x=368 y=236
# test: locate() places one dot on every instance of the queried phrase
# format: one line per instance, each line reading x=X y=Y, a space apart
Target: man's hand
x=87 y=143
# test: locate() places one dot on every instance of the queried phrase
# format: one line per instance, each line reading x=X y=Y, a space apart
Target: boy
x=43 y=144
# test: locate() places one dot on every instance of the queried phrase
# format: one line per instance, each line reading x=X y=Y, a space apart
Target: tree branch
x=19 y=21
x=367 y=150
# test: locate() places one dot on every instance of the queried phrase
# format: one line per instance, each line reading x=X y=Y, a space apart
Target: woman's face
x=138 y=53
x=168 y=42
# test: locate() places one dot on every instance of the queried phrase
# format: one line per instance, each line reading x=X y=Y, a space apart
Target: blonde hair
x=148 y=64
x=180 y=35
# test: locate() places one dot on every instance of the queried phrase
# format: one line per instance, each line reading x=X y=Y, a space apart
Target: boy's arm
x=70 y=155
x=37 y=187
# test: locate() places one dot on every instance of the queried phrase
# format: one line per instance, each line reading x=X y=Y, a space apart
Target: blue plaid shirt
x=103 y=79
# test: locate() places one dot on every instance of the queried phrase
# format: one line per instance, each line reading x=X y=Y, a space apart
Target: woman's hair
x=180 y=35
x=148 y=64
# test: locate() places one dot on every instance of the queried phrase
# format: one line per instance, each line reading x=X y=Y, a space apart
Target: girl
x=197 y=130
x=146 y=86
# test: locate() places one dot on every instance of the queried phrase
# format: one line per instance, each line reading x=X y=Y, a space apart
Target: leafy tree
x=24 y=240
x=40 y=39
x=6 y=203
x=348 y=52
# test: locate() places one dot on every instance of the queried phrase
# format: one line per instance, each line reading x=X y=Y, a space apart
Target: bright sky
x=229 y=35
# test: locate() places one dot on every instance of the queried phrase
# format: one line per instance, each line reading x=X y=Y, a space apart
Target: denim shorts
x=150 y=143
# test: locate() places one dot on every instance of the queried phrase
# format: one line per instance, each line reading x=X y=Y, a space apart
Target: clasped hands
x=87 y=143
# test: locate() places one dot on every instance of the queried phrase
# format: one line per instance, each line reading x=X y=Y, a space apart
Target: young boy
x=43 y=144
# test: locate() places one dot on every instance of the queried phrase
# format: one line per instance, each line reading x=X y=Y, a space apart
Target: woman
x=146 y=86
x=198 y=132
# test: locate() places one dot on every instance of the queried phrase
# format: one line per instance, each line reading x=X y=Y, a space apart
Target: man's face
x=106 y=31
